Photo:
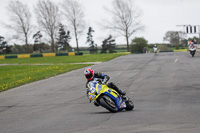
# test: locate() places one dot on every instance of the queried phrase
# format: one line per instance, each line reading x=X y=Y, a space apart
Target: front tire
x=108 y=103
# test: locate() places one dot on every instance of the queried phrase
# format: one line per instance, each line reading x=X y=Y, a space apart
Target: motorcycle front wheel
x=108 y=103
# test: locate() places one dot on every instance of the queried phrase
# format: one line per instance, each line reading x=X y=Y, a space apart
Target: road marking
x=176 y=60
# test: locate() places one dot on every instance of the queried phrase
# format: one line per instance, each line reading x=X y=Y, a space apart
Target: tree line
x=175 y=39
x=125 y=21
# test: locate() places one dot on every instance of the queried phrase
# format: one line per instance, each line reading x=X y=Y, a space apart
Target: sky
x=158 y=17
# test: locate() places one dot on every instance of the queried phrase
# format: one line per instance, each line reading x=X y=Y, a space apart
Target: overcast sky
x=158 y=17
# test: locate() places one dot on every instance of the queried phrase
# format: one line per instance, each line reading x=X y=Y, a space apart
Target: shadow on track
x=107 y=112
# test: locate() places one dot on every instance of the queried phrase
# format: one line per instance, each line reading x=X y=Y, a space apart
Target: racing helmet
x=89 y=74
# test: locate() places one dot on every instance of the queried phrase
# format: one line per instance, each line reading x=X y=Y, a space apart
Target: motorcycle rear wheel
x=108 y=103
x=129 y=105
x=192 y=53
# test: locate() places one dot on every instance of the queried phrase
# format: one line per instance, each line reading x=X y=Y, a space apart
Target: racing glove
x=91 y=97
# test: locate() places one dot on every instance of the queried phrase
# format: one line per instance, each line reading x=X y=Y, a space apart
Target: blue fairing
x=118 y=100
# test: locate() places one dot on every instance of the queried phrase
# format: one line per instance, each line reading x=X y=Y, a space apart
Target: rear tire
x=192 y=53
x=129 y=105
x=108 y=103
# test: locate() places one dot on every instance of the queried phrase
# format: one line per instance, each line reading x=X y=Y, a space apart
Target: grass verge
x=16 y=75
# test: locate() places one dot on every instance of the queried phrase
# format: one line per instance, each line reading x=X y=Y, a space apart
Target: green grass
x=62 y=59
x=16 y=75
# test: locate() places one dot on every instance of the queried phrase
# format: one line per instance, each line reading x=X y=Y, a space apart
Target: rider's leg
x=113 y=86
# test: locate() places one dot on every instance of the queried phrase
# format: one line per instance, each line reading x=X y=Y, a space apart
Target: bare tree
x=73 y=13
x=125 y=19
x=48 y=19
x=20 y=18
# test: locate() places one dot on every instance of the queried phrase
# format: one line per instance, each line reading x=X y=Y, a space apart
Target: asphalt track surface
x=165 y=89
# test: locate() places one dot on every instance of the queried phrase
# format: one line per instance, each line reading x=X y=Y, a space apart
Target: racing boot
x=121 y=92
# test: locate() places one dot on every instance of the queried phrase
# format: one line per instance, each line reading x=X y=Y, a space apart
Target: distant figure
x=155 y=49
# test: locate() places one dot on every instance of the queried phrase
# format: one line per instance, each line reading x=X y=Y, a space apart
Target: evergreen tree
x=93 y=47
x=38 y=45
x=108 y=44
x=2 y=42
x=4 y=48
x=63 y=39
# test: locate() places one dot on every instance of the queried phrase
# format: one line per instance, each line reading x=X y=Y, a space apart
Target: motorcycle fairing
x=114 y=95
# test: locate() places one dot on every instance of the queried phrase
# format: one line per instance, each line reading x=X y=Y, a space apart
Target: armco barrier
x=79 y=53
x=24 y=56
x=12 y=56
x=49 y=54
x=40 y=55
x=61 y=54
x=135 y=52
x=2 y=57
x=181 y=50
x=36 y=55
x=71 y=53
x=167 y=51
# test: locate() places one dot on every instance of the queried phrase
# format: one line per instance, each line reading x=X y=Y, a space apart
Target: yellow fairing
x=104 y=89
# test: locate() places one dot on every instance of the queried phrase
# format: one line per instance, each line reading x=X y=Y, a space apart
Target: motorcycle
x=109 y=98
x=192 y=50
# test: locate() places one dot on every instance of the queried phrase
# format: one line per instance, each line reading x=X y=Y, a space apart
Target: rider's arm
x=102 y=76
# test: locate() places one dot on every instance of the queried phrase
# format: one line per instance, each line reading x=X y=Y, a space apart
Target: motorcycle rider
x=192 y=45
x=155 y=48
x=96 y=76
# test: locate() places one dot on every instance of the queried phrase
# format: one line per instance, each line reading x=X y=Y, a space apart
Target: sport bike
x=109 y=98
